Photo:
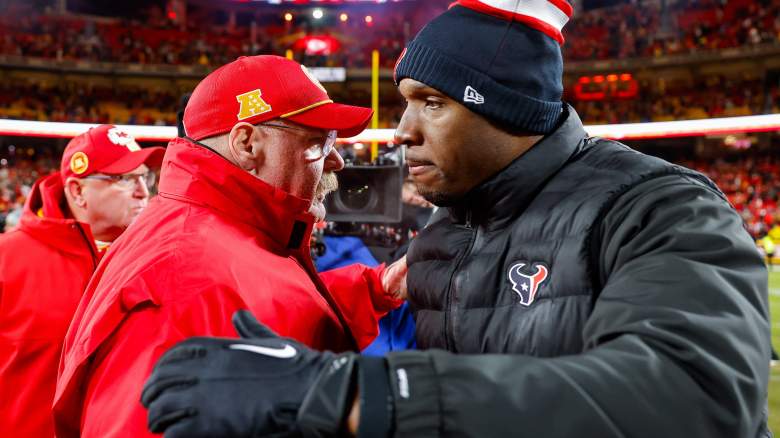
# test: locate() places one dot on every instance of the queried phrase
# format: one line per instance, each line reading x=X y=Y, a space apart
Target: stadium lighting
x=343 y=17
x=288 y=16
x=623 y=131
x=317 y=13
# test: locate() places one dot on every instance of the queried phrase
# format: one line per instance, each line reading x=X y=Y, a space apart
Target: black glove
x=255 y=386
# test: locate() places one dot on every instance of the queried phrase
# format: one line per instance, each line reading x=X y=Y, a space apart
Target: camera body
x=367 y=194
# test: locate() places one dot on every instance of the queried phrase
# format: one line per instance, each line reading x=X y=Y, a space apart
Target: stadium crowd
x=752 y=184
x=158 y=40
x=16 y=179
x=712 y=96
x=88 y=103
x=707 y=97
x=635 y=29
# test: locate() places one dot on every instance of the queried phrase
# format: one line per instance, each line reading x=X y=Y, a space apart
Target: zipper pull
x=468 y=219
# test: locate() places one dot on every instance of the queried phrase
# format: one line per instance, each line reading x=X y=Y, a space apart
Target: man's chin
x=134 y=215
x=317 y=210
x=438 y=198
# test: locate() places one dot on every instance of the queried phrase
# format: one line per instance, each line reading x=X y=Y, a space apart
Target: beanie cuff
x=498 y=102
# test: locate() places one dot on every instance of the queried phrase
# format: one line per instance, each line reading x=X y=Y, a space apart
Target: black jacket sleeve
x=677 y=344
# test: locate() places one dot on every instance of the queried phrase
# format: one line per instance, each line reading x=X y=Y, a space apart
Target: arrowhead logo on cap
x=79 y=163
x=121 y=138
x=314 y=80
x=252 y=104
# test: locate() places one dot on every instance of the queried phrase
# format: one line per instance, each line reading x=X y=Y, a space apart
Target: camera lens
x=357 y=197
x=355 y=194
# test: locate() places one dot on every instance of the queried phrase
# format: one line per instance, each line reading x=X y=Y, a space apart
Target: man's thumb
x=248 y=327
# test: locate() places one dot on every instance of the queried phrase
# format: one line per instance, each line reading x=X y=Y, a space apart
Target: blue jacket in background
x=396 y=329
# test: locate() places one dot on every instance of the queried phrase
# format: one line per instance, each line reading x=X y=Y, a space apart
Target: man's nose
x=141 y=189
x=407 y=133
x=333 y=162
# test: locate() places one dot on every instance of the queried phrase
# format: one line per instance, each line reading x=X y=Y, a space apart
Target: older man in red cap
x=69 y=219
x=230 y=230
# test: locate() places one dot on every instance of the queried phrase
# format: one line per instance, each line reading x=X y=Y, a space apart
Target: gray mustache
x=328 y=183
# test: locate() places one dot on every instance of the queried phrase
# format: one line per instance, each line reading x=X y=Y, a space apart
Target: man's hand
x=255 y=386
x=410 y=195
x=394 y=279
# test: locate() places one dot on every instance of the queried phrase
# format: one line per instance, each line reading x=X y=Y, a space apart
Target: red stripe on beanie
x=532 y=22
x=564 y=6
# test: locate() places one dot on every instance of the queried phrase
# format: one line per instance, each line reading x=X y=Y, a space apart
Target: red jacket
x=45 y=265
x=215 y=240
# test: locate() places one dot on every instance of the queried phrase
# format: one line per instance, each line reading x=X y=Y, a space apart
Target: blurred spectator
x=16 y=181
x=635 y=29
x=77 y=102
x=705 y=97
x=752 y=185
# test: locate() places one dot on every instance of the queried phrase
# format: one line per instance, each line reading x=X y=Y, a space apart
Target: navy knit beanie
x=499 y=58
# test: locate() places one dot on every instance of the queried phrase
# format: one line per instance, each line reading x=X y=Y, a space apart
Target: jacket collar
x=46 y=218
x=509 y=192
x=194 y=174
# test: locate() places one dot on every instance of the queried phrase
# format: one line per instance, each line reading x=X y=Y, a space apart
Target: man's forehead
x=409 y=86
x=143 y=168
x=308 y=129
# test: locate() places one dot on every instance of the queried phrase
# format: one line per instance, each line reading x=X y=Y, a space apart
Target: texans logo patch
x=527 y=284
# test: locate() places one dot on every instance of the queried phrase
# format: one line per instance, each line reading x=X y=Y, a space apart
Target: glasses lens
x=150 y=179
x=319 y=150
x=329 y=143
x=132 y=181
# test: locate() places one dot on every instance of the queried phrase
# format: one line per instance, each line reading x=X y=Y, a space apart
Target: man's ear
x=245 y=146
x=75 y=192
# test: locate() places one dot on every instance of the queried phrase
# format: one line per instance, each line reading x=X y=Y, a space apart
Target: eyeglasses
x=129 y=181
x=315 y=151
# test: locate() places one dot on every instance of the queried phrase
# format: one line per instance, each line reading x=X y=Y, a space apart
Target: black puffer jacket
x=619 y=294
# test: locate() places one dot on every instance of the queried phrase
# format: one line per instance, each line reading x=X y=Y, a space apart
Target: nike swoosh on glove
x=249 y=387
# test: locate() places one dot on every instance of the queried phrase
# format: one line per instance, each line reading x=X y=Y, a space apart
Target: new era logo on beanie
x=473 y=96
x=504 y=62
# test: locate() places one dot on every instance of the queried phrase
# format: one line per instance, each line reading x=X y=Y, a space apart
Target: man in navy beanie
x=571 y=287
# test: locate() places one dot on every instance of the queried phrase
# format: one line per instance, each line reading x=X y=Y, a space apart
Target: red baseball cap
x=106 y=149
x=255 y=89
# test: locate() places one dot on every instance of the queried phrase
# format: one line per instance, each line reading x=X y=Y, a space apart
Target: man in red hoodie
x=46 y=262
x=230 y=230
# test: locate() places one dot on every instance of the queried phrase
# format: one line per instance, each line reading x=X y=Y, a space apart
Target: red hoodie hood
x=194 y=174
x=45 y=220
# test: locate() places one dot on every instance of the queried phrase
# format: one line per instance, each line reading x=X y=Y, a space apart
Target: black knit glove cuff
x=376 y=398
x=325 y=408
x=324 y=411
